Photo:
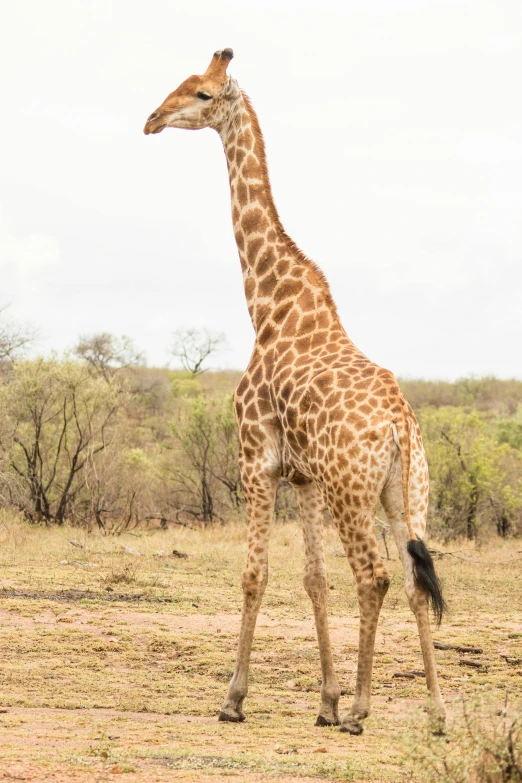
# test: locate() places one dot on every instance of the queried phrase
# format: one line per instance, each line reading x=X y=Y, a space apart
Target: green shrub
x=484 y=745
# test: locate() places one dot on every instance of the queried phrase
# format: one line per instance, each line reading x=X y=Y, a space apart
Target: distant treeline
x=96 y=438
x=487 y=395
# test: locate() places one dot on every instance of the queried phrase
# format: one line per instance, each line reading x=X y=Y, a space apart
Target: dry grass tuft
x=125 y=574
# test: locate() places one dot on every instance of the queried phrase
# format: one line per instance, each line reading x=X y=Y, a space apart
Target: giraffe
x=311 y=409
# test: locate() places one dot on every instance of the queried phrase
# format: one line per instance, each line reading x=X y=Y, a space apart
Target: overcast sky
x=394 y=141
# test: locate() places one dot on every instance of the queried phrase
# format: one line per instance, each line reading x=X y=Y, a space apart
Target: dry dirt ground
x=114 y=663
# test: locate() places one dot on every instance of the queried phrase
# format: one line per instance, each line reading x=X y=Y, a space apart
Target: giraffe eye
x=204 y=96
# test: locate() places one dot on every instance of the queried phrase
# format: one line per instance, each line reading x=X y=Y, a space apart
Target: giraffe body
x=312 y=409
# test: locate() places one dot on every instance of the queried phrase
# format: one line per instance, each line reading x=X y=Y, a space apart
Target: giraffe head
x=199 y=101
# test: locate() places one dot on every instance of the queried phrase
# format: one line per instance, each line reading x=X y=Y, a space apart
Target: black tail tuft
x=426 y=578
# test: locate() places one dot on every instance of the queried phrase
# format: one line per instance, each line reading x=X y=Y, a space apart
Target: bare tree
x=204 y=474
x=226 y=465
x=119 y=483
x=192 y=347
x=106 y=354
x=11 y=492
x=13 y=338
x=58 y=417
x=195 y=436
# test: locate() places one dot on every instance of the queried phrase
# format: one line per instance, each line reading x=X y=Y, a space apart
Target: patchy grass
x=117 y=663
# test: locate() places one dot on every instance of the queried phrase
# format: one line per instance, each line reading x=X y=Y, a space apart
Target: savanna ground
x=117 y=663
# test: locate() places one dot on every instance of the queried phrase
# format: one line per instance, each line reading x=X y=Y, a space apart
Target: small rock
x=511 y=660
x=130 y=551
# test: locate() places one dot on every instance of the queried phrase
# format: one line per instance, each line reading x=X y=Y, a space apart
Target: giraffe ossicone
x=313 y=409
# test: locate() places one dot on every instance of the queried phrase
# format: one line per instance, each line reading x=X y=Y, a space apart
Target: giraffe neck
x=279 y=280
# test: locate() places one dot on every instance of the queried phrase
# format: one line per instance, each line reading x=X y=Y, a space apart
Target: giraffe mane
x=301 y=258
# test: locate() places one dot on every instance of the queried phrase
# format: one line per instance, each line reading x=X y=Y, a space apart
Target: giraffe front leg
x=260 y=491
x=316 y=585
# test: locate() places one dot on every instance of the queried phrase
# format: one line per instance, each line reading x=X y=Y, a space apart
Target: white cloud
x=27 y=253
x=89 y=121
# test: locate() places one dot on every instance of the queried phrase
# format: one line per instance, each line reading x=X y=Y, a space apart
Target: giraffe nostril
x=153 y=116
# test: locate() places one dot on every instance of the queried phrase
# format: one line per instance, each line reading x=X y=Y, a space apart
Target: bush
x=58 y=418
x=204 y=464
x=484 y=745
x=476 y=482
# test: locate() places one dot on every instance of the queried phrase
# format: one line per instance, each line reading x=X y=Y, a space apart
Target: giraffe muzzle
x=154 y=124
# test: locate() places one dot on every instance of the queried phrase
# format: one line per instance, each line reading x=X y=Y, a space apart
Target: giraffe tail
x=424 y=572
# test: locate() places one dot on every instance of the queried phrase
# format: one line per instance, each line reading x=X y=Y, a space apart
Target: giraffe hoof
x=352 y=727
x=322 y=721
x=231 y=717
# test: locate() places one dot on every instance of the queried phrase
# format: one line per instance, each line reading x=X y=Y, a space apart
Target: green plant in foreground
x=484 y=745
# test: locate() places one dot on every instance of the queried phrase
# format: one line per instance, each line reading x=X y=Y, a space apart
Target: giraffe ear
x=219 y=63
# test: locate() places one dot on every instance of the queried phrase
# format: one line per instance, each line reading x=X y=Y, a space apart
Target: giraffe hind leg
x=372 y=581
x=315 y=582
x=393 y=503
